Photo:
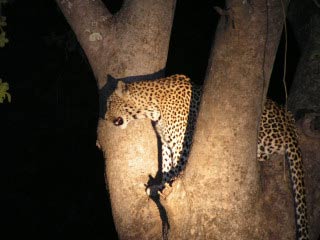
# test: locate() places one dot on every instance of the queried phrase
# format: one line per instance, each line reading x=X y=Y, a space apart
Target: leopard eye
x=118 y=121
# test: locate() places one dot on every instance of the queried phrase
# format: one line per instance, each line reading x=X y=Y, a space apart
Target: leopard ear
x=122 y=89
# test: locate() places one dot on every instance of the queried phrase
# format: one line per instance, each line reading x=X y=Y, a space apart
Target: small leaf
x=4 y=87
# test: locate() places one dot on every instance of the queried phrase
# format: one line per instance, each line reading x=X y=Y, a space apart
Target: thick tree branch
x=138 y=46
x=133 y=34
x=221 y=186
x=310 y=145
x=91 y=22
x=133 y=42
x=304 y=101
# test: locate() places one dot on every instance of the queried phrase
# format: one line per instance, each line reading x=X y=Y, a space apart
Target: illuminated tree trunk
x=221 y=194
x=132 y=42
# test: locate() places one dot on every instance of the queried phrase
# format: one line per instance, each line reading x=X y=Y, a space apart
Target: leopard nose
x=118 y=121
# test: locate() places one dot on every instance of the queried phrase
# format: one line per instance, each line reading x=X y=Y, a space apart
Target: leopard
x=172 y=104
x=278 y=135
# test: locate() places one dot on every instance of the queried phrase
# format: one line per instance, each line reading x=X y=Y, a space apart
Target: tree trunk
x=130 y=43
x=220 y=195
x=305 y=90
x=304 y=100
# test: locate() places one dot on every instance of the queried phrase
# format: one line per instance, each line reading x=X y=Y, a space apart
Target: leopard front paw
x=167 y=189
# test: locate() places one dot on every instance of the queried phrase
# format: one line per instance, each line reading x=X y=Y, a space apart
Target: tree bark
x=132 y=42
x=304 y=100
x=304 y=94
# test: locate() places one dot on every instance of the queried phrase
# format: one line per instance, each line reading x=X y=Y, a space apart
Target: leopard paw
x=167 y=189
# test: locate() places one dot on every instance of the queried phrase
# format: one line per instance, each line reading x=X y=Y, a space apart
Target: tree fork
x=132 y=42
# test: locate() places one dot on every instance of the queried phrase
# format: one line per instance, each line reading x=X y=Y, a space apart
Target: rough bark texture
x=305 y=91
x=132 y=42
x=220 y=196
x=310 y=148
x=304 y=100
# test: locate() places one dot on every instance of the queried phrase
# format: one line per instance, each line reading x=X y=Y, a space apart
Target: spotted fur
x=278 y=135
x=159 y=101
x=172 y=104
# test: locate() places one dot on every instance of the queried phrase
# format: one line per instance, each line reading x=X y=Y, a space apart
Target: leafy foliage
x=4 y=87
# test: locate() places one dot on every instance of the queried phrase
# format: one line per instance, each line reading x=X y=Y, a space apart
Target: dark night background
x=53 y=173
